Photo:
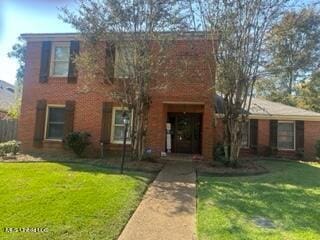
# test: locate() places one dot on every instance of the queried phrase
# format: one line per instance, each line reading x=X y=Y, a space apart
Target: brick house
x=55 y=101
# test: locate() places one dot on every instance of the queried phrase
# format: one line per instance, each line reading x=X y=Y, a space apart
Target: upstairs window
x=60 y=59
x=124 y=61
x=286 y=135
x=55 y=122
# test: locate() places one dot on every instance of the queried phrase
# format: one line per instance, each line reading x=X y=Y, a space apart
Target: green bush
x=10 y=147
x=78 y=141
x=318 y=149
x=218 y=154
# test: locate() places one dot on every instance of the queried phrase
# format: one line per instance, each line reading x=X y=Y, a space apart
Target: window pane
x=56 y=115
x=124 y=62
x=61 y=68
x=55 y=131
x=286 y=135
x=118 y=119
x=118 y=133
x=61 y=54
x=245 y=135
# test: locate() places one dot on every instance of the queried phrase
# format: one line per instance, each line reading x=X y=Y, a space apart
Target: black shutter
x=45 y=62
x=273 y=134
x=106 y=122
x=299 y=135
x=69 y=117
x=74 y=51
x=110 y=61
x=40 y=123
x=253 y=133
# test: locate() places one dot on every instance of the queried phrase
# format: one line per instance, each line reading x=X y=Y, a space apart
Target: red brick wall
x=186 y=87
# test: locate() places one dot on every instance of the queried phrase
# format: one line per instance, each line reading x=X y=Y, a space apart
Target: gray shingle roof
x=266 y=108
x=6 y=96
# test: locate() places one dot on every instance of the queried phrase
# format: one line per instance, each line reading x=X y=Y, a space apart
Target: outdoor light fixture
x=126 y=119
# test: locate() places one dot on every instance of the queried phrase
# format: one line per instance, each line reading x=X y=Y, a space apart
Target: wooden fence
x=8 y=130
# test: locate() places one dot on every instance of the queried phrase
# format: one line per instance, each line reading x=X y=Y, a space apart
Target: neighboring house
x=7 y=98
x=56 y=101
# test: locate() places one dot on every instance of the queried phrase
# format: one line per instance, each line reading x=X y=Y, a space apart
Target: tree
x=18 y=52
x=241 y=28
x=308 y=93
x=293 y=46
x=135 y=29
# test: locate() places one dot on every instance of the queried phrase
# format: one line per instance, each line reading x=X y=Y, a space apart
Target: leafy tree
x=309 y=93
x=134 y=29
x=18 y=52
x=293 y=49
x=241 y=28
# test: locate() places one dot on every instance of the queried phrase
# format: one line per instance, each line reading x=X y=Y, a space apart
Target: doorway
x=186 y=132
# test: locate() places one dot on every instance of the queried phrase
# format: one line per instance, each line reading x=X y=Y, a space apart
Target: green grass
x=74 y=201
x=289 y=196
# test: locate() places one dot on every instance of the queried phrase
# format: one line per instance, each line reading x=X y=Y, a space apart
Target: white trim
x=46 y=122
x=114 y=109
x=52 y=57
x=294 y=136
x=279 y=117
x=183 y=103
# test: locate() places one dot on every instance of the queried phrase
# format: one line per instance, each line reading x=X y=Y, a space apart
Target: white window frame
x=294 y=136
x=52 y=58
x=114 y=109
x=46 y=122
x=248 y=145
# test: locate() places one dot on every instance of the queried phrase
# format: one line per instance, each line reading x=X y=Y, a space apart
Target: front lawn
x=284 y=204
x=73 y=201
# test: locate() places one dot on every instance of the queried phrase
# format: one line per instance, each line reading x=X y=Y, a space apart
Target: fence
x=8 y=130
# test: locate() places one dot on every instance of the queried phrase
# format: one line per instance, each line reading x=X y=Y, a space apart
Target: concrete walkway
x=168 y=208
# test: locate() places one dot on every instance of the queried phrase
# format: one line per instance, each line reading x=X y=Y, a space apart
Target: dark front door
x=186 y=132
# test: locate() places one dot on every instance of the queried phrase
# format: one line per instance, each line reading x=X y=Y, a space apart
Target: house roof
x=33 y=37
x=265 y=109
x=6 y=96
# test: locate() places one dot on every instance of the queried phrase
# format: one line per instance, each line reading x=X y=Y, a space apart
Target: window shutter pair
x=110 y=62
x=106 y=122
x=253 y=134
x=41 y=120
x=46 y=57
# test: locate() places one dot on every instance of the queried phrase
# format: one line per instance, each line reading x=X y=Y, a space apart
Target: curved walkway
x=168 y=208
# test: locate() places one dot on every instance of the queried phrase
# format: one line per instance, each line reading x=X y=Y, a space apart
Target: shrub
x=318 y=149
x=218 y=154
x=78 y=141
x=9 y=147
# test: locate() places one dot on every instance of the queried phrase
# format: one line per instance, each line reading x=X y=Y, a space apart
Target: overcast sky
x=29 y=16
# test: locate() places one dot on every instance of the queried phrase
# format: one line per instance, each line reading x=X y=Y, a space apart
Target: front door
x=186 y=132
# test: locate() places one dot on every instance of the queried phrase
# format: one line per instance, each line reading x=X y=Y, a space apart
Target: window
x=124 y=61
x=60 y=59
x=55 y=122
x=245 y=134
x=117 y=132
x=286 y=135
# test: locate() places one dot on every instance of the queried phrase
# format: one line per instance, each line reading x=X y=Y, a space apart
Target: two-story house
x=54 y=103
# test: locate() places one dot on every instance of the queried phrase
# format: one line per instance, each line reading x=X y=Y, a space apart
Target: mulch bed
x=245 y=168
x=113 y=162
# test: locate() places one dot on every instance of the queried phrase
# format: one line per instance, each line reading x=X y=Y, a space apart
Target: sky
x=26 y=16
x=30 y=16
